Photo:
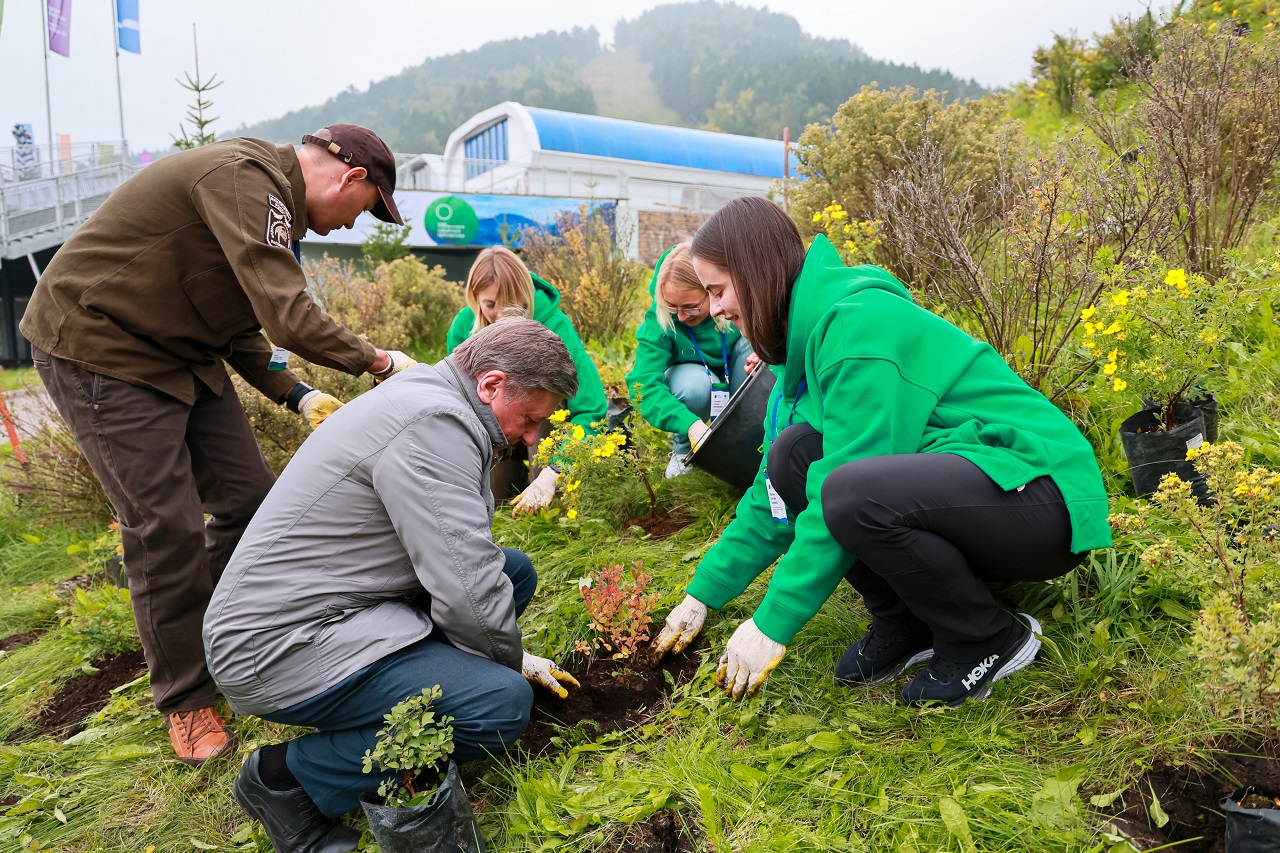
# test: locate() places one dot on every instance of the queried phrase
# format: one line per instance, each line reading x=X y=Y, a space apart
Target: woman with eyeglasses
x=498 y=282
x=688 y=363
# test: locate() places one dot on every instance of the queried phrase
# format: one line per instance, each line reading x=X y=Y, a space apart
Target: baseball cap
x=360 y=146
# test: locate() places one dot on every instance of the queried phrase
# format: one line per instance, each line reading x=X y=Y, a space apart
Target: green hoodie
x=658 y=349
x=884 y=376
x=588 y=405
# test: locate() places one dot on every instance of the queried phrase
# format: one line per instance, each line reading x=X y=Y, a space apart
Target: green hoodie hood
x=824 y=281
x=546 y=299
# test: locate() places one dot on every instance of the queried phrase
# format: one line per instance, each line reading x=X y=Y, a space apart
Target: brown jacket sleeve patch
x=279 y=223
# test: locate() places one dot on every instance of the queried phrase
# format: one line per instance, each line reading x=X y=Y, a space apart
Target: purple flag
x=60 y=26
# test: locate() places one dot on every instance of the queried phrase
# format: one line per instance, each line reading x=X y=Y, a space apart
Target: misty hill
x=703 y=64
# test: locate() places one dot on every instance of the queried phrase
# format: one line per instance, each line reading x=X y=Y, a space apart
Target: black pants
x=929 y=530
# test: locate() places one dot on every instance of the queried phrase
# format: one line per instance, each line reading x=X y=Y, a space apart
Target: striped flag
x=127 y=26
x=60 y=26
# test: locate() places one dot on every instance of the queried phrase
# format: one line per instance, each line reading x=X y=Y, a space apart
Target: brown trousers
x=164 y=465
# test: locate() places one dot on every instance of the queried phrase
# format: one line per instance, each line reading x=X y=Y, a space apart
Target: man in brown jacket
x=132 y=325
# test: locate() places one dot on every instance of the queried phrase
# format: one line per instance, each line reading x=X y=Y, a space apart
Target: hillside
x=701 y=64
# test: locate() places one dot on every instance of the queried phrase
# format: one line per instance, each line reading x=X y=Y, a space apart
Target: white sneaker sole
x=919 y=657
x=1018 y=660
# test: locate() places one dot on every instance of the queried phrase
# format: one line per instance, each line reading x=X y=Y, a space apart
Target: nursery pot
x=731 y=451
x=1152 y=452
x=1250 y=830
x=1208 y=406
x=444 y=825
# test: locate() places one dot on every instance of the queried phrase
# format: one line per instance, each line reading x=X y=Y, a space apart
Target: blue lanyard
x=792 y=414
x=724 y=352
x=297 y=251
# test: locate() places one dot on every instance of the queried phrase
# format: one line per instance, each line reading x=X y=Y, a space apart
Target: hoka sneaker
x=876 y=658
x=955 y=683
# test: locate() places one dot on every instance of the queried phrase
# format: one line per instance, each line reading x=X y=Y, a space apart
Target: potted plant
x=1159 y=333
x=423 y=808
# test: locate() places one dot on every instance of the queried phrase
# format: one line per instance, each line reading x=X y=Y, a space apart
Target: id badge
x=719 y=399
x=279 y=359
x=777 y=507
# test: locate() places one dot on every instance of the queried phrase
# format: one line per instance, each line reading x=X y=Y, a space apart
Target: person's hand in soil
x=538 y=493
x=682 y=625
x=747 y=660
x=698 y=432
x=548 y=673
x=315 y=406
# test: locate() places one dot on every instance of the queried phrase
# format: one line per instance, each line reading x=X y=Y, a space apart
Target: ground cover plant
x=1153 y=696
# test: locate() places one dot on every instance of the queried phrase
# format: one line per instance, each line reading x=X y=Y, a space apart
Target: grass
x=17 y=378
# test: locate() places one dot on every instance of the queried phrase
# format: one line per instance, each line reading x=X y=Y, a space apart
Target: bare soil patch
x=661 y=833
x=17 y=641
x=83 y=696
x=661 y=525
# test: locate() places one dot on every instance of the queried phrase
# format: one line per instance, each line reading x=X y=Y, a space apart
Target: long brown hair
x=760 y=248
x=515 y=285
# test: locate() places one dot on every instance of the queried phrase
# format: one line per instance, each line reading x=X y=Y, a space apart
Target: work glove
x=538 y=493
x=683 y=624
x=548 y=673
x=315 y=406
x=747 y=660
x=399 y=361
x=698 y=432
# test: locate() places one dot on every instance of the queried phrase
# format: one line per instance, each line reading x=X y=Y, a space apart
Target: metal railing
x=55 y=206
x=38 y=162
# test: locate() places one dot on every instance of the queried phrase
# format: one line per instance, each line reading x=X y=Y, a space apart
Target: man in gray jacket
x=370 y=572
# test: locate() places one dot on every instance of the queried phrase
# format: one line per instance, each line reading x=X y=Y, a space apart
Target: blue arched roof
x=658 y=143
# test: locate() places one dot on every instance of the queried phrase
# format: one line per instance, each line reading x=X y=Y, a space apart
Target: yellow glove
x=698 y=432
x=683 y=624
x=547 y=673
x=538 y=493
x=398 y=362
x=315 y=406
x=747 y=660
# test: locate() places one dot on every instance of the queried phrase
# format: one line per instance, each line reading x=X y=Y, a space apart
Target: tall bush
x=601 y=289
x=430 y=301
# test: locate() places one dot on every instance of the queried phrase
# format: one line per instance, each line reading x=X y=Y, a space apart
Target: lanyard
x=792 y=414
x=297 y=251
x=724 y=352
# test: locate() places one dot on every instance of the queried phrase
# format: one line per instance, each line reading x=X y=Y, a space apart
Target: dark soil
x=82 y=696
x=17 y=641
x=614 y=695
x=661 y=833
x=1190 y=798
x=659 y=525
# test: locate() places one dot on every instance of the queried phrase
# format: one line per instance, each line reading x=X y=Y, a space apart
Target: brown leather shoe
x=199 y=735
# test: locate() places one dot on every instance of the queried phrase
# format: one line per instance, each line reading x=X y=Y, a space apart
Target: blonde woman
x=688 y=363
x=499 y=281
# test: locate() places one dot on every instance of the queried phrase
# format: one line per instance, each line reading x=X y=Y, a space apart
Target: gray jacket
x=389 y=498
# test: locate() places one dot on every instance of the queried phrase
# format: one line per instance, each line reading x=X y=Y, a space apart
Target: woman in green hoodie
x=499 y=281
x=688 y=363
x=903 y=455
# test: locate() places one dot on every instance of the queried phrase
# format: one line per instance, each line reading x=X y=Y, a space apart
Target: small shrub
x=620 y=610
x=102 y=620
x=386 y=243
x=413 y=743
x=601 y=289
x=430 y=300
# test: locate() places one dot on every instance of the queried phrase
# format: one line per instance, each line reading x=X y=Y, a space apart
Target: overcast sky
x=276 y=56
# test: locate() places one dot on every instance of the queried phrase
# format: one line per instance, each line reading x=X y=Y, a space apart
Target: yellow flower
x=1088 y=312
x=1176 y=278
x=578 y=432
x=571 y=514
x=558 y=416
x=1119 y=384
x=1109 y=369
x=1120 y=298
x=817 y=217
x=572 y=486
x=605 y=450
x=1112 y=329
x=618 y=438
x=1113 y=355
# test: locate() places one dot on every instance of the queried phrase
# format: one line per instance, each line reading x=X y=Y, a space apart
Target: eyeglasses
x=689 y=309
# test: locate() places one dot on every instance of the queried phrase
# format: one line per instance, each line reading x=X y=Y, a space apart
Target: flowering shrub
x=1228 y=551
x=855 y=239
x=620 y=611
x=1159 y=332
x=601 y=461
x=413 y=741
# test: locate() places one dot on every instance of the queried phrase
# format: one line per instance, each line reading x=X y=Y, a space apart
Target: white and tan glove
x=682 y=625
x=698 y=432
x=548 y=673
x=747 y=660
x=538 y=493
x=315 y=406
x=397 y=361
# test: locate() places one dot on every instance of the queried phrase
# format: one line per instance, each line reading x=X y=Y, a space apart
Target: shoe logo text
x=977 y=672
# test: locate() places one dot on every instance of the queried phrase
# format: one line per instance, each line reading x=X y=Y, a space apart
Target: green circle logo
x=451 y=220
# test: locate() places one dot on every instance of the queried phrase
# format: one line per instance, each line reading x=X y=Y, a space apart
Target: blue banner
x=127 y=26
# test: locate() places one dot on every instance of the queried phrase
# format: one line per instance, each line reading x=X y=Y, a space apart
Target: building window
x=486 y=149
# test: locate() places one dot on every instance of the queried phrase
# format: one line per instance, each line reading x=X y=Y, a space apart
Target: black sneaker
x=955 y=683
x=292 y=821
x=876 y=658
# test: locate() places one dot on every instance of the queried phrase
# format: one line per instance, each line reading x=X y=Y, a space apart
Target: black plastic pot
x=732 y=449
x=445 y=825
x=1153 y=452
x=1208 y=406
x=1250 y=830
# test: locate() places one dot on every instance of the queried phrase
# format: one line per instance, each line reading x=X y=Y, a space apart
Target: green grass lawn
x=16 y=378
